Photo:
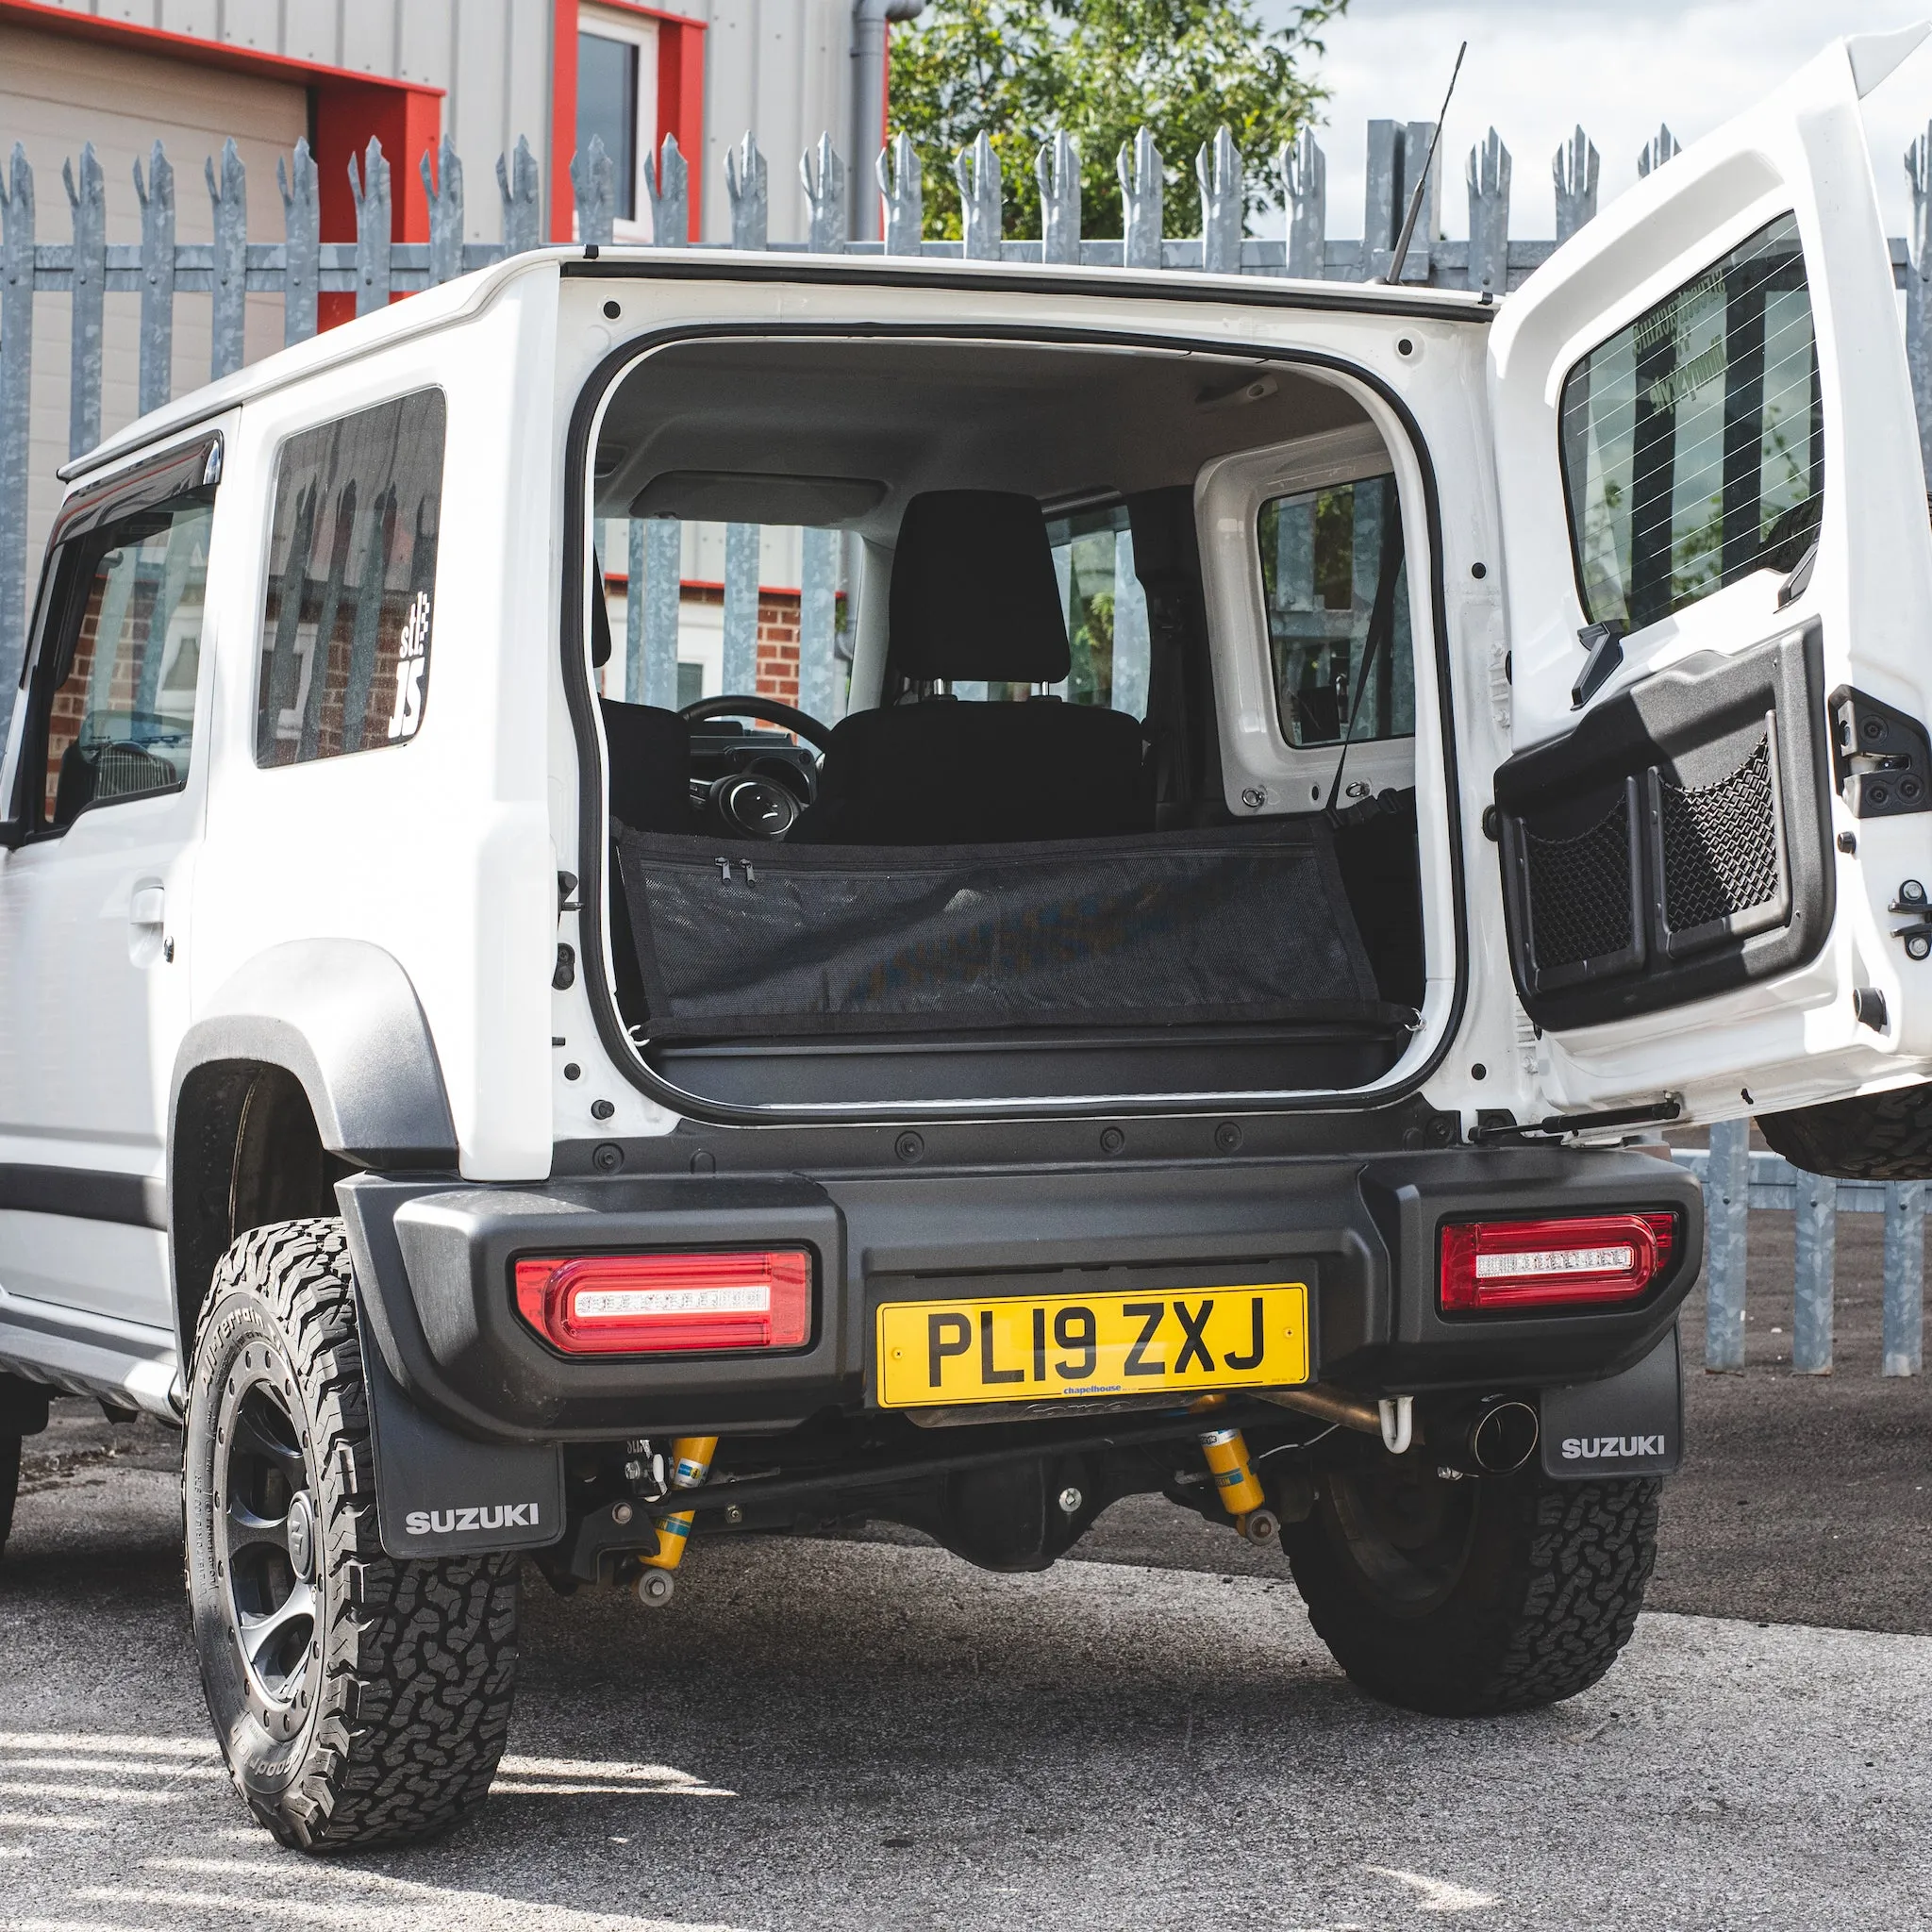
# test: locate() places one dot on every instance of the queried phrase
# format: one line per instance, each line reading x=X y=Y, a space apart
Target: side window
x=1334 y=583
x=1107 y=611
x=1692 y=442
x=346 y=620
x=119 y=717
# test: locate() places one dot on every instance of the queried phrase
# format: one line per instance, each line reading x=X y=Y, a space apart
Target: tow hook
x=691 y=1463
x=1398 y=1423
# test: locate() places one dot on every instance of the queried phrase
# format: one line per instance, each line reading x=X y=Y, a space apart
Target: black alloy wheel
x=270 y=1588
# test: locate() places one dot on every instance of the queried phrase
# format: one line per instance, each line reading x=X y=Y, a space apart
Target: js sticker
x=412 y=669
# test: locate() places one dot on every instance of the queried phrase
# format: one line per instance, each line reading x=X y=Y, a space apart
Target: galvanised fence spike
x=227 y=193
x=445 y=189
x=1576 y=170
x=1057 y=169
x=1305 y=168
x=668 y=191
x=517 y=184
x=1661 y=147
x=976 y=173
x=902 y=189
x=370 y=189
x=748 y=189
x=1138 y=169
x=1489 y=215
x=823 y=176
x=301 y=251
x=593 y=177
x=1218 y=172
x=87 y=198
x=158 y=265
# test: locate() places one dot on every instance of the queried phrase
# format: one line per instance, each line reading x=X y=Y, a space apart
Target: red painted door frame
x=680 y=102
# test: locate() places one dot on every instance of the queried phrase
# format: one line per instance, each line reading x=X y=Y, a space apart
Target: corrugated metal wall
x=781 y=67
x=56 y=93
x=490 y=56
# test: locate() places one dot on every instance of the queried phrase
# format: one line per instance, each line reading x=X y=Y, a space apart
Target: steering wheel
x=754 y=804
x=768 y=710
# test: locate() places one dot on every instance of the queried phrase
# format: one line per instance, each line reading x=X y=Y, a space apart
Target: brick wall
x=779 y=617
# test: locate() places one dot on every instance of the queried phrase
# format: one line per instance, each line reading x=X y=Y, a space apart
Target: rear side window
x=120 y=719
x=1106 y=609
x=347 y=619
x=1336 y=593
x=1693 y=441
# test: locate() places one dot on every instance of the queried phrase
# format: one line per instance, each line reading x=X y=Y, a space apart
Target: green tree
x=1099 y=70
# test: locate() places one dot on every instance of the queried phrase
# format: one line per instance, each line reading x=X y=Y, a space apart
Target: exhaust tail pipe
x=1503 y=1437
x=1492 y=1437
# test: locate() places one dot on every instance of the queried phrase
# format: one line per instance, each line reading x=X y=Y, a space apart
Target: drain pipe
x=870 y=19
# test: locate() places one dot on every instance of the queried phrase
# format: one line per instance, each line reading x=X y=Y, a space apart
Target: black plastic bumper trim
x=85 y=1194
x=433 y=1262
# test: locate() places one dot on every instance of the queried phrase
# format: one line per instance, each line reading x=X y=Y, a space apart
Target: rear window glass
x=346 y=624
x=1693 y=441
x=1328 y=556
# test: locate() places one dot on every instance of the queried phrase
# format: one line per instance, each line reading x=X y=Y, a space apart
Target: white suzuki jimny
x=1323 y=766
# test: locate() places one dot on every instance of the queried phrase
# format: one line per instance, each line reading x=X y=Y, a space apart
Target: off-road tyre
x=1470 y=1598
x=9 y=1485
x=375 y=1710
x=1873 y=1137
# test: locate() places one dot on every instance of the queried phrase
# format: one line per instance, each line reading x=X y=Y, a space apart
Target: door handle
x=148 y=907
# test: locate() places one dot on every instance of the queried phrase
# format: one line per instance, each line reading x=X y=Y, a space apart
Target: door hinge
x=1911 y=904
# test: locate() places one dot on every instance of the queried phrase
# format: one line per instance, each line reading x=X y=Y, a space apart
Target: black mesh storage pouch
x=1246 y=923
x=1718 y=851
x=1582 y=878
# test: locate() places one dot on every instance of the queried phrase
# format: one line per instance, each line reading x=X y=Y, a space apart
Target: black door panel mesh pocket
x=1676 y=843
x=1717 y=851
x=1582 y=887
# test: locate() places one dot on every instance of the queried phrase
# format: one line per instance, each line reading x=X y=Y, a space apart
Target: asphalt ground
x=870 y=1733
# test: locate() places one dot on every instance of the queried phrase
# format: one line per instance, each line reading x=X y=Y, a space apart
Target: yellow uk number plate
x=1023 y=1350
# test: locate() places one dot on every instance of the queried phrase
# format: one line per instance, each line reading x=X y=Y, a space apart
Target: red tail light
x=1552 y=1265
x=668 y=1303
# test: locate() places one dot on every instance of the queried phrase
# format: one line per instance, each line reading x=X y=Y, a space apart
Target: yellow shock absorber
x=691 y=1458
x=1240 y=1491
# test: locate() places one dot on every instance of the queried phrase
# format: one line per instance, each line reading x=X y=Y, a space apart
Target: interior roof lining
x=1054 y=421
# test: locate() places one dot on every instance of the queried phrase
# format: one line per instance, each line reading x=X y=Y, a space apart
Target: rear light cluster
x=668 y=1303
x=1501 y=1265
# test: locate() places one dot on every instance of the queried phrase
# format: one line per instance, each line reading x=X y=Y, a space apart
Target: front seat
x=975 y=595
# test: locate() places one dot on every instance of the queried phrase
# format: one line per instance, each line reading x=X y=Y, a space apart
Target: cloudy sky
x=1536 y=68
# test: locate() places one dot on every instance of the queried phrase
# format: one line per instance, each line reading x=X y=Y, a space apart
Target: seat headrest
x=974 y=594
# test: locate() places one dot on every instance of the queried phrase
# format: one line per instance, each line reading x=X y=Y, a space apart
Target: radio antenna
x=1421 y=180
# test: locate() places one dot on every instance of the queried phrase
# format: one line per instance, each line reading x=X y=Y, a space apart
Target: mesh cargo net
x=1720 y=845
x=1249 y=923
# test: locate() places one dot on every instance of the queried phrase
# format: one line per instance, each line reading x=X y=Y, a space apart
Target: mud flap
x=1627 y=1425
x=440 y=1494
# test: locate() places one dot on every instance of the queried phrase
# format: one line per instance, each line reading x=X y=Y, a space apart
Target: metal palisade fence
x=302 y=268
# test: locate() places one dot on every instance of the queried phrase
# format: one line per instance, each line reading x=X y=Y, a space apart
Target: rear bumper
x=433 y=1262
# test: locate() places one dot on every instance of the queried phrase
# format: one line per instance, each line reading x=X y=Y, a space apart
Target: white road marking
x=1437 y=1894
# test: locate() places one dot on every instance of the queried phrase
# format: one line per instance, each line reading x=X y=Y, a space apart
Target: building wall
x=781 y=68
x=492 y=57
x=56 y=93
